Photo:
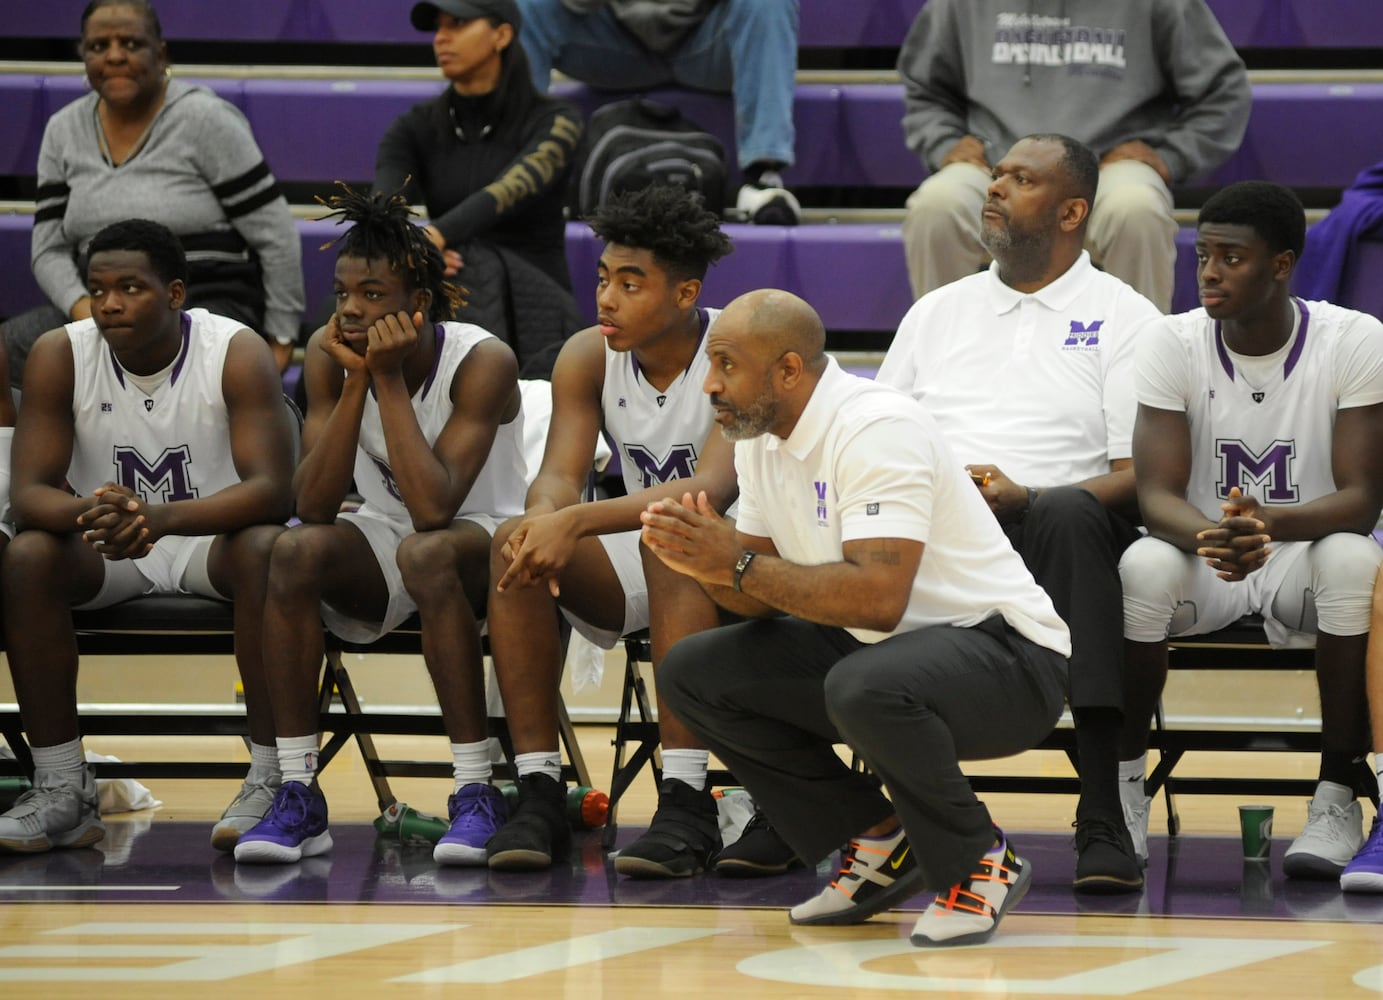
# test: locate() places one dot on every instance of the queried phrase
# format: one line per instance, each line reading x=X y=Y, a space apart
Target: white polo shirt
x=1040 y=385
x=864 y=461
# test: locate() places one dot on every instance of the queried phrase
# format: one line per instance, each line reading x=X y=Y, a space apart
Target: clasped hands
x=1238 y=545
x=117 y=524
x=693 y=538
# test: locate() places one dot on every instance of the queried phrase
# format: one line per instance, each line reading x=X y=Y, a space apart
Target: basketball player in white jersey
x=424 y=416
x=1259 y=450
x=171 y=430
x=637 y=376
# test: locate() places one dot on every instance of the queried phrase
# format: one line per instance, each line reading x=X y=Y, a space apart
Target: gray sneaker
x=53 y=814
x=250 y=805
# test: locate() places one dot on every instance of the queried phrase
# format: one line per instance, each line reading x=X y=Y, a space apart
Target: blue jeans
x=746 y=48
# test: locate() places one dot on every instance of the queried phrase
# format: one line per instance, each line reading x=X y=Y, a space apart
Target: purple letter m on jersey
x=167 y=478
x=680 y=463
x=1240 y=466
x=1082 y=334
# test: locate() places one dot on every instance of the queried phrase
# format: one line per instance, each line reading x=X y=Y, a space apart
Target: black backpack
x=634 y=143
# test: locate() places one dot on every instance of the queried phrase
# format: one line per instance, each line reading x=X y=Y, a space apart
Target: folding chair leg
x=335 y=676
x=572 y=745
x=633 y=697
x=1173 y=820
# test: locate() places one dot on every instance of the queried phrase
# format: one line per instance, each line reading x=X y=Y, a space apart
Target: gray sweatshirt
x=1101 y=71
x=200 y=171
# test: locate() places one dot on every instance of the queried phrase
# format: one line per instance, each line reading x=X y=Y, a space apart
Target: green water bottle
x=587 y=807
x=409 y=826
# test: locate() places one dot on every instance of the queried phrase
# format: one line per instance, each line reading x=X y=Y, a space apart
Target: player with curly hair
x=636 y=375
x=424 y=417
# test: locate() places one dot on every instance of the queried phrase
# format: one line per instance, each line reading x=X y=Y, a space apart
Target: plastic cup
x=1256 y=827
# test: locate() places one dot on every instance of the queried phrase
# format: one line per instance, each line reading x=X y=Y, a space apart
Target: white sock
x=67 y=760
x=1134 y=770
x=264 y=762
x=888 y=840
x=687 y=766
x=298 y=757
x=547 y=762
x=470 y=763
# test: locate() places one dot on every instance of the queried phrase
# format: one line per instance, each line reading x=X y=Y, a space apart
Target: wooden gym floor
x=156 y=913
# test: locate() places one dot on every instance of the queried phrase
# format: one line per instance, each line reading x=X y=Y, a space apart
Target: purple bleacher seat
x=327 y=130
x=1307 y=134
x=1331 y=23
x=244 y=20
x=850 y=135
x=22 y=117
x=853 y=274
x=1250 y=23
x=823 y=23
x=831 y=24
x=18 y=291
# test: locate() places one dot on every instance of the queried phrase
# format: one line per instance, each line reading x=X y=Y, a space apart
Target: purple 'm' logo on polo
x=1240 y=465
x=1082 y=335
x=680 y=463
x=821 y=512
x=166 y=478
x=387 y=474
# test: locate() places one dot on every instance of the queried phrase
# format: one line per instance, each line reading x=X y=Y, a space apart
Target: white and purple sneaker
x=476 y=811
x=295 y=828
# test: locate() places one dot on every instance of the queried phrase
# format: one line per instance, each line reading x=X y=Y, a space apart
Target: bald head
x=769 y=323
x=768 y=351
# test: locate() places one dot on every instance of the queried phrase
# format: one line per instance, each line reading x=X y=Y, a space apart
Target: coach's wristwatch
x=746 y=557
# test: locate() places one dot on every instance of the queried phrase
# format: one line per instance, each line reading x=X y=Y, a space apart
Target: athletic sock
x=547 y=762
x=66 y=760
x=687 y=766
x=297 y=758
x=264 y=762
x=1134 y=770
x=470 y=763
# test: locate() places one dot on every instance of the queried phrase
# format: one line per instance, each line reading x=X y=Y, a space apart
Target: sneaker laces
x=479 y=802
x=1334 y=818
x=248 y=789
x=1096 y=829
x=758 y=821
x=962 y=897
x=290 y=809
x=849 y=869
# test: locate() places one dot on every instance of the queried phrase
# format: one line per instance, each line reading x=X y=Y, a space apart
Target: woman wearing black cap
x=489 y=159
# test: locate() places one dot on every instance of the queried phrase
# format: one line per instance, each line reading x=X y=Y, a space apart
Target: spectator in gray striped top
x=142 y=144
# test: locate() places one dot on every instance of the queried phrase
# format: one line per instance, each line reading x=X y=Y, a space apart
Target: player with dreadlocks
x=424 y=415
x=637 y=375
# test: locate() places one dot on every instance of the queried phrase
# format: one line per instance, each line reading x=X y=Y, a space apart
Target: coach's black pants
x=1071 y=544
x=772 y=696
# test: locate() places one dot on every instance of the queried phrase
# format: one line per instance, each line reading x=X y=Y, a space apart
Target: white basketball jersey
x=1273 y=441
x=657 y=434
x=498 y=489
x=173 y=445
